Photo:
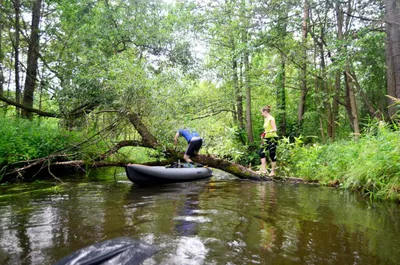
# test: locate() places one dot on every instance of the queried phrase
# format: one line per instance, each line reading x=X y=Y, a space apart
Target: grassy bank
x=370 y=165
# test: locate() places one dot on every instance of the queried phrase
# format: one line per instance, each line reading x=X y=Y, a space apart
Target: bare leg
x=273 y=166
x=187 y=158
x=263 y=165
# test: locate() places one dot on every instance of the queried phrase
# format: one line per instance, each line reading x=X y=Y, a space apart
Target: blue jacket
x=187 y=134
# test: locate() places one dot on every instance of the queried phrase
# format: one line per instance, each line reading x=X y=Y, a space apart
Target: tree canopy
x=135 y=71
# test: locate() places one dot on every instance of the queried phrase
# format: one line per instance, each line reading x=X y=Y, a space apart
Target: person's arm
x=176 y=139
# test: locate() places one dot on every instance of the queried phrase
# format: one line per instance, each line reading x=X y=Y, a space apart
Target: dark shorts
x=270 y=145
x=194 y=146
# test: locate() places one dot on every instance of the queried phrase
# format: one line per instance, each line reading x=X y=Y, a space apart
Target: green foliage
x=141 y=56
x=376 y=169
x=24 y=140
x=136 y=155
x=371 y=164
x=226 y=144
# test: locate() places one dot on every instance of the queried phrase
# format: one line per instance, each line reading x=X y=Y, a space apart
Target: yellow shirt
x=268 y=128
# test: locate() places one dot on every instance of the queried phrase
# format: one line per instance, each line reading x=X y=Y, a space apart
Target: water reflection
x=267 y=208
x=185 y=222
x=217 y=221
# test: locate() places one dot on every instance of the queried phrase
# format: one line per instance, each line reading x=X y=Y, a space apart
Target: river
x=221 y=220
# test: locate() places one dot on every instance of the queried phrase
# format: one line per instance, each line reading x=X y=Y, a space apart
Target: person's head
x=266 y=110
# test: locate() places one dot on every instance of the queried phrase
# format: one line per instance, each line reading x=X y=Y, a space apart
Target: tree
x=246 y=63
x=100 y=60
x=303 y=70
x=351 y=104
x=16 y=52
x=32 y=62
x=392 y=21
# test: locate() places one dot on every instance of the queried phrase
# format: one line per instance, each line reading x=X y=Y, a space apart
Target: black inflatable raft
x=121 y=251
x=141 y=174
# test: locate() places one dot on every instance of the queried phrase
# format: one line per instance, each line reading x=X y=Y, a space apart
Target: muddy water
x=221 y=220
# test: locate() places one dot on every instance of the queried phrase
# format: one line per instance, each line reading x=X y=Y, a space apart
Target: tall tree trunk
x=317 y=86
x=32 y=63
x=246 y=62
x=16 y=54
x=238 y=106
x=325 y=88
x=281 y=97
x=350 y=90
x=249 y=124
x=335 y=104
x=343 y=25
x=372 y=111
x=238 y=95
x=392 y=22
x=303 y=70
x=281 y=89
x=351 y=104
x=352 y=93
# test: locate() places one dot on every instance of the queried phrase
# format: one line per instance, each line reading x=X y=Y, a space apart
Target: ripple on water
x=209 y=222
x=188 y=250
x=197 y=219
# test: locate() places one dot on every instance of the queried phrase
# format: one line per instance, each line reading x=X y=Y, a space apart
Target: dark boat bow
x=141 y=174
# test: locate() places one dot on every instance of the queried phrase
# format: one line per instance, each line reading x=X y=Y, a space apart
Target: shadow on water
x=184 y=195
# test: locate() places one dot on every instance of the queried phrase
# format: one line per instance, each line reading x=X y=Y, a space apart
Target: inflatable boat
x=141 y=174
x=121 y=251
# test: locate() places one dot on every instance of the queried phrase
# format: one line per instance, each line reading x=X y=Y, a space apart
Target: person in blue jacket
x=194 y=140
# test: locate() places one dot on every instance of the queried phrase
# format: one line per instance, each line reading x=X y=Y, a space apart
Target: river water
x=221 y=220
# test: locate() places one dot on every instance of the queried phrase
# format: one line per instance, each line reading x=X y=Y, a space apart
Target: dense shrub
x=24 y=140
x=371 y=164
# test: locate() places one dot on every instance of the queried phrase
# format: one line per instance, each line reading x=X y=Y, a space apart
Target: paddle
x=121 y=251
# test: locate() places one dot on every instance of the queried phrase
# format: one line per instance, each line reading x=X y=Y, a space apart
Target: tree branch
x=39 y=112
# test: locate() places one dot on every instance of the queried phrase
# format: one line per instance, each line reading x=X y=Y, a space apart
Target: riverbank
x=370 y=165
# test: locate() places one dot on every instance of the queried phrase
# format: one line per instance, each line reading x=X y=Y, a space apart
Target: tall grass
x=371 y=164
x=25 y=140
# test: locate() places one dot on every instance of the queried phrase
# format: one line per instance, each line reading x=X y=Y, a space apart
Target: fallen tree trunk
x=56 y=164
x=233 y=168
x=47 y=169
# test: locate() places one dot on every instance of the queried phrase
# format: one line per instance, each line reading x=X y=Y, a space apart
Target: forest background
x=94 y=83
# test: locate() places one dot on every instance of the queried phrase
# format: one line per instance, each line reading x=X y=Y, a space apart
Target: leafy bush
x=371 y=164
x=227 y=145
x=24 y=140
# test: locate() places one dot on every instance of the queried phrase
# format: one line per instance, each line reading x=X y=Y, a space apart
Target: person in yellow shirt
x=269 y=141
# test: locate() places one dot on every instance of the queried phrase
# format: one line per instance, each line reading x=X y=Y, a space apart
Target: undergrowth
x=23 y=140
x=370 y=164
